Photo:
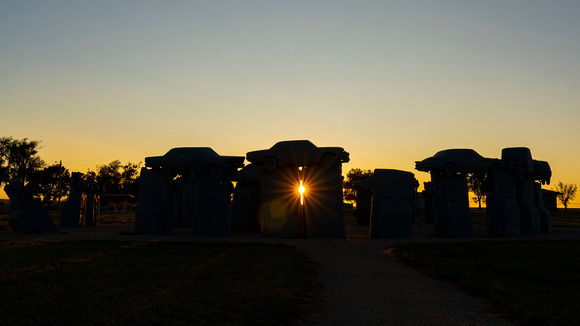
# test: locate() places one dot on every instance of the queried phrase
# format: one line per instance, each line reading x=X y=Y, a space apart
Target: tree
x=130 y=178
x=109 y=176
x=477 y=185
x=352 y=176
x=18 y=158
x=117 y=178
x=567 y=193
x=53 y=182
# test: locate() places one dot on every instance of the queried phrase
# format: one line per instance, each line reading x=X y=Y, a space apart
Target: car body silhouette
x=183 y=160
x=461 y=160
x=519 y=160
x=299 y=153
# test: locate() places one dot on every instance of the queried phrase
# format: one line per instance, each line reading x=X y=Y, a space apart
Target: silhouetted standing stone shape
x=246 y=205
x=28 y=213
x=187 y=202
x=91 y=211
x=502 y=212
x=529 y=214
x=204 y=203
x=285 y=212
x=154 y=214
x=91 y=207
x=82 y=205
x=527 y=170
x=364 y=194
x=392 y=204
x=70 y=212
x=281 y=203
x=450 y=195
x=451 y=203
x=178 y=185
x=428 y=198
x=323 y=202
x=211 y=205
x=545 y=216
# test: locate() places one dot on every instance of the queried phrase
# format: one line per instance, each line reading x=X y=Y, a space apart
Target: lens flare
x=301 y=190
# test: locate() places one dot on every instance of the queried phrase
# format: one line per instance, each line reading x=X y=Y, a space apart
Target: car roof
x=197 y=150
x=462 y=152
x=293 y=143
x=516 y=153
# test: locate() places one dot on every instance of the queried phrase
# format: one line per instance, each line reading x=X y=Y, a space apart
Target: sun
x=301 y=190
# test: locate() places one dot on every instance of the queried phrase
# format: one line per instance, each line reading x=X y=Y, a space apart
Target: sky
x=393 y=82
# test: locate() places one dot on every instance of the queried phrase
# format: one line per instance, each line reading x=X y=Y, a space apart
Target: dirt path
x=364 y=286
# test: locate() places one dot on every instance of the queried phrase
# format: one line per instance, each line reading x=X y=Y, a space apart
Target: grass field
x=104 y=218
x=569 y=218
x=128 y=283
x=154 y=283
x=533 y=282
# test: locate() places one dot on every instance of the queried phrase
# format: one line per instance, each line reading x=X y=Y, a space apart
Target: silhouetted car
x=519 y=160
x=186 y=159
x=544 y=172
x=452 y=161
x=298 y=152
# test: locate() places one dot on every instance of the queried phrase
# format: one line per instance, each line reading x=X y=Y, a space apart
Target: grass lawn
x=104 y=218
x=154 y=283
x=569 y=217
x=560 y=218
x=534 y=282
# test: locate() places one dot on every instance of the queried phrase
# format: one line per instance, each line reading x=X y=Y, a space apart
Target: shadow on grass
x=534 y=282
x=153 y=283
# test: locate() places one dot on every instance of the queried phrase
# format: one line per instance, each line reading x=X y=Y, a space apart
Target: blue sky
x=390 y=81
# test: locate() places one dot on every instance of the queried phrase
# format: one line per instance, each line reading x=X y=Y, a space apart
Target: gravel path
x=364 y=286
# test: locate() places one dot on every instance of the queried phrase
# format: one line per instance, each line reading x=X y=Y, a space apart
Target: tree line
x=19 y=158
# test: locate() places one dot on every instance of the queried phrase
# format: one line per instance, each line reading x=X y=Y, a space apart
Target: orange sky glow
x=392 y=82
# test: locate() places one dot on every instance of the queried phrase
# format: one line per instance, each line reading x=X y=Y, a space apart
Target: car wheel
x=81 y=185
x=271 y=163
x=328 y=160
x=449 y=169
x=215 y=171
x=166 y=172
